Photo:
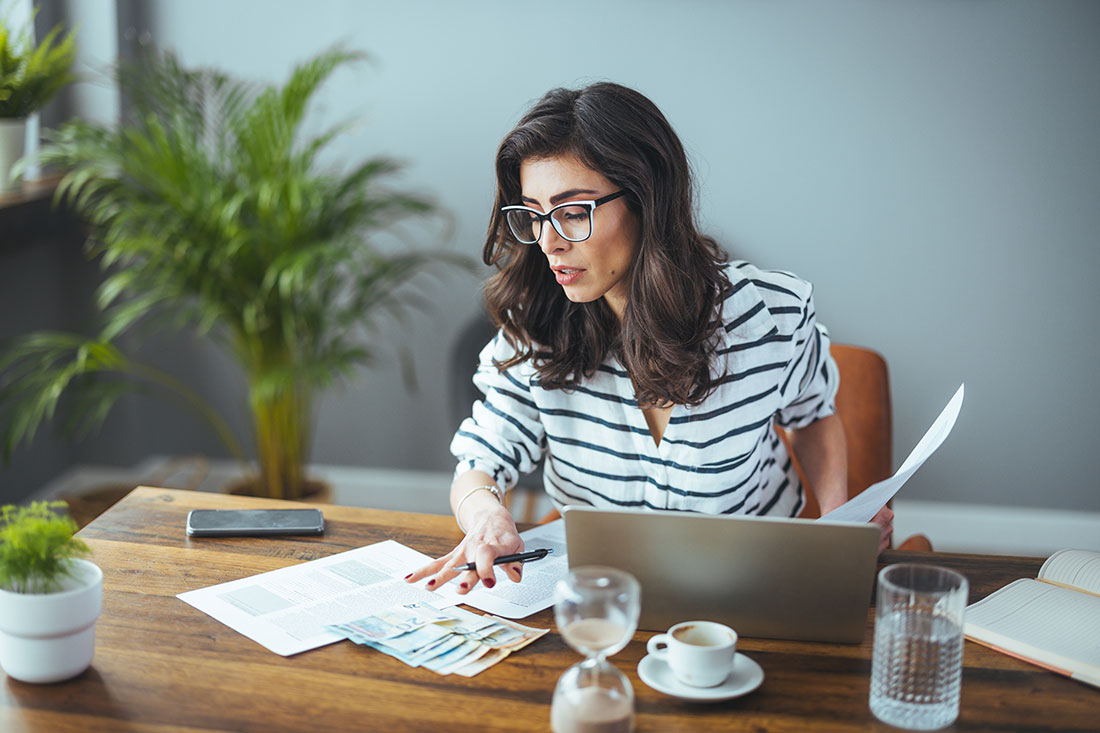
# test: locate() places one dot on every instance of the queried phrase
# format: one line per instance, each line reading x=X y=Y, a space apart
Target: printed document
x=287 y=610
x=865 y=505
x=536 y=592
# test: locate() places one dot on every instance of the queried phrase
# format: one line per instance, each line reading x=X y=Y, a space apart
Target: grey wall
x=932 y=166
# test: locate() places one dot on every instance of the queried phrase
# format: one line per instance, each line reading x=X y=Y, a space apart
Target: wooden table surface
x=162 y=665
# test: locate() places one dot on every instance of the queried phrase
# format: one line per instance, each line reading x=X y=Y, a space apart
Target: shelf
x=29 y=215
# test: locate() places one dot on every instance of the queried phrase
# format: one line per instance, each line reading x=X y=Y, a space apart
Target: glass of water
x=916 y=669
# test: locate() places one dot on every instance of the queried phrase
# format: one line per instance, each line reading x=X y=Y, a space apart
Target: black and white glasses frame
x=536 y=215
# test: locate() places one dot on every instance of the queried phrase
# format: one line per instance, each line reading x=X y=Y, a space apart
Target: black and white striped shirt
x=720 y=457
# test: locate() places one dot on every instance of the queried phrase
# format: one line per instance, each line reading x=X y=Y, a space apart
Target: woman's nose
x=550 y=241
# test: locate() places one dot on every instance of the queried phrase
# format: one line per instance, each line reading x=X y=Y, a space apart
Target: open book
x=1053 y=621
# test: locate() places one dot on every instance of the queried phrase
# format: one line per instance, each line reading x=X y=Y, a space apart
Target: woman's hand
x=494 y=534
x=885 y=520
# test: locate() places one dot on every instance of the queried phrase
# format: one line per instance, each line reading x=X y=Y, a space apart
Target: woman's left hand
x=885 y=520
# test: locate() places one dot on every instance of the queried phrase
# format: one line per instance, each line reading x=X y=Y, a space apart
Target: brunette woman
x=647 y=370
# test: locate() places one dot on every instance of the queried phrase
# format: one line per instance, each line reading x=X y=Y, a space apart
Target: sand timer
x=596 y=609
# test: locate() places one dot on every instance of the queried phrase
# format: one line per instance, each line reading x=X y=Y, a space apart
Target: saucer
x=746 y=677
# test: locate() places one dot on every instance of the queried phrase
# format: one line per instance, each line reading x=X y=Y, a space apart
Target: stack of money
x=450 y=641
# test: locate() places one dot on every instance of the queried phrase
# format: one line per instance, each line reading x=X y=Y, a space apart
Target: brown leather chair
x=863 y=405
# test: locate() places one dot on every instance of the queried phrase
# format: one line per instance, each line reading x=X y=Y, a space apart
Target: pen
x=521 y=557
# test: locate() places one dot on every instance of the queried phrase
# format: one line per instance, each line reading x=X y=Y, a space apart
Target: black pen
x=521 y=557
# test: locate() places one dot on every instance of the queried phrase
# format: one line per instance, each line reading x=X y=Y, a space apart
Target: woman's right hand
x=493 y=534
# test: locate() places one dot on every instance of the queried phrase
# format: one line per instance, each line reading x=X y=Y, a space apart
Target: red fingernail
x=463 y=585
x=489 y=582
x=408 y=576
x=431 y=582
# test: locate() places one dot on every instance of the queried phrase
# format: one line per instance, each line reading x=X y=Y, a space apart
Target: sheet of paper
x=286 y=610
x=865 y=505
x=536 y=591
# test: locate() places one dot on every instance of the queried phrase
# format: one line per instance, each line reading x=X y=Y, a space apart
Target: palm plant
x=208 y=212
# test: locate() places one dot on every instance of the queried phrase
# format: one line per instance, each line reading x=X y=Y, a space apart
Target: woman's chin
x=579 y=295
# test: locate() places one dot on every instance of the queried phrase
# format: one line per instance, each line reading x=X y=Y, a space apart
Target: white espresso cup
x=699 y=653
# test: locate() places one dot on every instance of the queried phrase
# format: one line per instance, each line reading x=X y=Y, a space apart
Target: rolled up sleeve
x=811 y=378
x=504 y=436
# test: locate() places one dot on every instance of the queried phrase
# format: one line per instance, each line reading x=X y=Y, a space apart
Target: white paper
x=286 y=610
x=865 y=505
x=536 y=591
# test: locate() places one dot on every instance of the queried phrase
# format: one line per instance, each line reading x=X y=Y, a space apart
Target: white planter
x=49 y=637
x=13 y=140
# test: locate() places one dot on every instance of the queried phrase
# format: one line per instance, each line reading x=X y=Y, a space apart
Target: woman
x=647 y=370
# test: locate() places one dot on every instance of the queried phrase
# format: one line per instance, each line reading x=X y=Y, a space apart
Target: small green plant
x=31 y=75
x=36 y=547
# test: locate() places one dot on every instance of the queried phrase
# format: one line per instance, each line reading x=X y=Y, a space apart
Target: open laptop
x=765 y=577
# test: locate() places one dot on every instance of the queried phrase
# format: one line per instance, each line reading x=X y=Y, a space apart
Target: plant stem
x=282 y=438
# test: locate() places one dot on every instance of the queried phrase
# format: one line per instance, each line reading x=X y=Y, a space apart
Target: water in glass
x=916 y=668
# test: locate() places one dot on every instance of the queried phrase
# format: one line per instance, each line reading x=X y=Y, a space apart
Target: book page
x=1046 y=623
x=1073 y=568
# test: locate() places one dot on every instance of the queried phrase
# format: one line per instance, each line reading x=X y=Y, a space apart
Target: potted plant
x=29 y=77
x=209 y=212
x=50 y=597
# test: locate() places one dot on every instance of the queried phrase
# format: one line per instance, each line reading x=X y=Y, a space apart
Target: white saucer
x=746 y=677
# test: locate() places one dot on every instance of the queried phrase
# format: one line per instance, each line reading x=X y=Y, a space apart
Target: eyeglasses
x=572 y=220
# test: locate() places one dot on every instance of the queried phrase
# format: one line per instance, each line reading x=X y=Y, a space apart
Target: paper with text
x=865 y=505
x=286 y=610
x=536 y=591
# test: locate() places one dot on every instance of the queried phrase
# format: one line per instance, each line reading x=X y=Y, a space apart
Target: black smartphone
x=252 y=522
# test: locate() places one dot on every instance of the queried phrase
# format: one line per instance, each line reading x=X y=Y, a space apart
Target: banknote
x=453 y=656
x=492 y=657
x=446 y=641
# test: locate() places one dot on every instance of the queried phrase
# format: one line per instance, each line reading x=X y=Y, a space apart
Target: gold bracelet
x=488 y=487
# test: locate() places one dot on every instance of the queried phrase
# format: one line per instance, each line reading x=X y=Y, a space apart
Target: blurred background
x=932 y=167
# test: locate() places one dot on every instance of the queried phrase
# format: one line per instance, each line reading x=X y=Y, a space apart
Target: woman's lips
x=566 y=275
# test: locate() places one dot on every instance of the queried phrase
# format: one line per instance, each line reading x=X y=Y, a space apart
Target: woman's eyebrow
x=563 y=196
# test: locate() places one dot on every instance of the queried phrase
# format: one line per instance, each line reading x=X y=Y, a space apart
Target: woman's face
x=594 y=268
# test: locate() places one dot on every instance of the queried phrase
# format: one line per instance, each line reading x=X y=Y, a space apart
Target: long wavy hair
x=675 y=284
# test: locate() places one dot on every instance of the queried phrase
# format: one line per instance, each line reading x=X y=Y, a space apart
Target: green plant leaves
x=31 y=75
x=36 y=547
x=210 y=212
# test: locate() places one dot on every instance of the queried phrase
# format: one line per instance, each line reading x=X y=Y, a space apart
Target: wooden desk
x=162 y=665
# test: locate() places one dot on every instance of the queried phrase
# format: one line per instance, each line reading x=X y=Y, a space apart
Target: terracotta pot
x=313 y=490
x=49 y=637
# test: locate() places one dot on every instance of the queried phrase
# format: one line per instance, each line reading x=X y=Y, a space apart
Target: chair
x=863 y=405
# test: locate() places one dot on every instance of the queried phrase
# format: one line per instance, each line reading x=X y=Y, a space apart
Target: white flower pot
x=13 y=140
x=49 y=637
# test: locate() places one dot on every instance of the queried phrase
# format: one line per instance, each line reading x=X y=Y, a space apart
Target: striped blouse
x=720 y=457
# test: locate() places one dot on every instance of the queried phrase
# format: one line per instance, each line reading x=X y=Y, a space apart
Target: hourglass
x=596 y=609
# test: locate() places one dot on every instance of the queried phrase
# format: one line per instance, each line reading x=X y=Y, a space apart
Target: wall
x=931 y=166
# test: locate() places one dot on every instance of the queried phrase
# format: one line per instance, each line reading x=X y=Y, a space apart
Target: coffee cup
x=699 y=653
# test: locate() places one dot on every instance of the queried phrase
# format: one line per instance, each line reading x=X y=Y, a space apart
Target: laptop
x=764 y=577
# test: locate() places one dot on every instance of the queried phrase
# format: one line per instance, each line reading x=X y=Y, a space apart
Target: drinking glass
x=596 y=609
x=916 y=668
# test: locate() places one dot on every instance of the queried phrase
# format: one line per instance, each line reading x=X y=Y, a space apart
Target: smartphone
x=252 y=522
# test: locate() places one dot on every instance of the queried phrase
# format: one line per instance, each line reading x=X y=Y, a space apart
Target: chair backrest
x=863 y=404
